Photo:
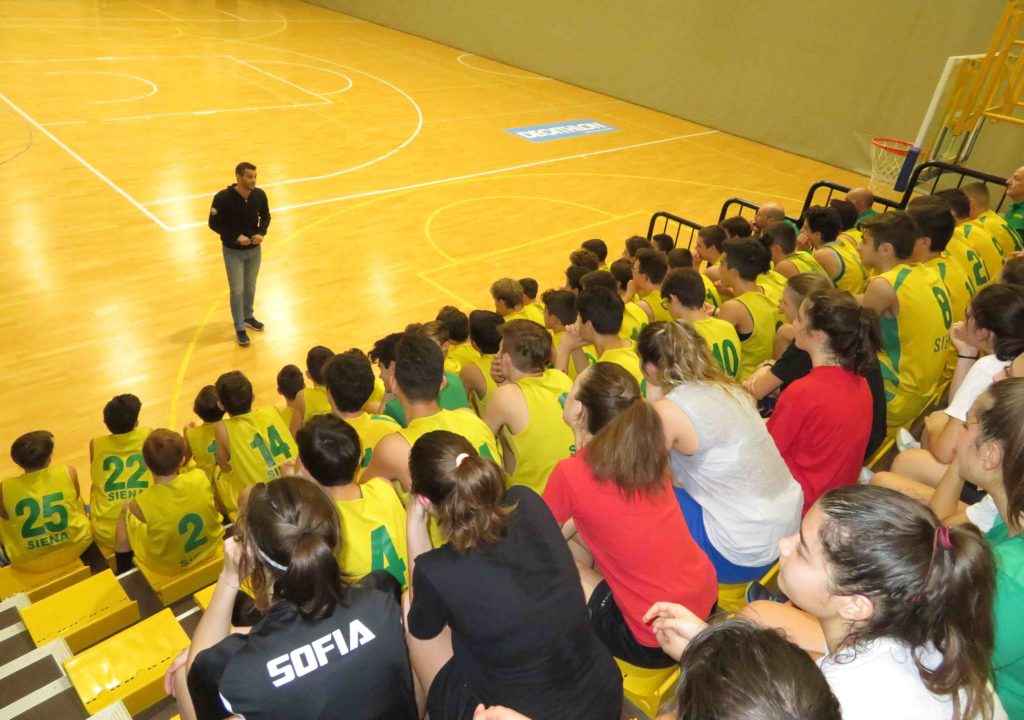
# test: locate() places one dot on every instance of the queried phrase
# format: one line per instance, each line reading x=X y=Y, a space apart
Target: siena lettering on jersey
x=312 y=656
x=560 y=130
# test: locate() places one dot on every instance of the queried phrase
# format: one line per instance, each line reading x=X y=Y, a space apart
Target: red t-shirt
x=641 y=544
x=821 y=426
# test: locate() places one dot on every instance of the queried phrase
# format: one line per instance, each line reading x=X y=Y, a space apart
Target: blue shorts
x=728 y=573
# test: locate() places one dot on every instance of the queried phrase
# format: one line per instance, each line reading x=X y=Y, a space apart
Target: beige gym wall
x=814 y=77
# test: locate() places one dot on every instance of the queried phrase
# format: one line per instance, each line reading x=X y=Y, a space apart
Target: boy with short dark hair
x=600 y=321
x=476 y=377
x=290 y=384
x=457 y=322
x=312 y=401
x=200 y=440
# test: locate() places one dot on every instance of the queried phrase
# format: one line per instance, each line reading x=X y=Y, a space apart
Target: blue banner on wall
x=560 y=130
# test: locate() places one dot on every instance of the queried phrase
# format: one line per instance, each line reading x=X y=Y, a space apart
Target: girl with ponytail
x=900 y=605
x=320 y=645
x=615 y=503
x=822 y=423
x=497 y=615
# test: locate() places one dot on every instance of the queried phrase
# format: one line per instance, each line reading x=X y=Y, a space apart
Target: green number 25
x=50 y=508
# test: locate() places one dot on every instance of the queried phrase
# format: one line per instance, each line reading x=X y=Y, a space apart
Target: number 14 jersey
x=259 y=443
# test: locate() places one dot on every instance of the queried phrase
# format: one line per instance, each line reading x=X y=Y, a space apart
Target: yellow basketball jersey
x=203 y=444
x=534 y=311
x=376 y=397
x=653 y=300
x=627 y=358
x=373 y=533
x=451 y=365
x=634 y=319
x=259 y=443
x=182 y=524
x=317 y=402
x=588 y=350
x=998 y=228
x=287 y=413
x=852 y=276
x=970 y=261
x=758 y=347
x=710 y=291
x=959 y=290
x=990 y=251
x=118 y=474
x=914 y=341
x=483 y=361
x=724 y=343
x=370 y=429
x=547 y=438
x=462 y=353
x=47 y=526
x=856 y=237
x=460 y=422
x=805 y=262
x=773 y=283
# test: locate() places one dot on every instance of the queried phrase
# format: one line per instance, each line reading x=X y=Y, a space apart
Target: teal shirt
x=864 y=215
x=1008 y=657
x=452 y=397
x=1014 y=216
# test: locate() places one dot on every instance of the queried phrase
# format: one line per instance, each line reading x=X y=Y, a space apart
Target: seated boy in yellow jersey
x=708 y=248
x=914 y=315
x=372 y=517
x=600 y=249
x=460 y=350
x=174 y=523
x=116 y=467
x=996 y=225
x=683 y=293
x=649 y=270
x=973 y=234
x=349 y=380
x=251 y=444
x=290 y=384
x=750 y=311
x=508 y=301
x=634 y=319
x=416 y=380
x=200 y=440
x=531 y=306
x=559 y=314
x=312 y=401
x=476 y=376
x=600 y=312
x=526 y=410
x=788 y=260
x=683 y=258
x=848 y=222
x=935 y=226
x=836 y=253
x=43 y=524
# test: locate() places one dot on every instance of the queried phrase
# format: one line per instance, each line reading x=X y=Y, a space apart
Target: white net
x=887 y=158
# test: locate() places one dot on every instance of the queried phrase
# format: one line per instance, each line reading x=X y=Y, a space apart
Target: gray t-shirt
x=749 y=497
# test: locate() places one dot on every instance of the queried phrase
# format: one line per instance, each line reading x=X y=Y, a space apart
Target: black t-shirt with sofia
x=352 y=664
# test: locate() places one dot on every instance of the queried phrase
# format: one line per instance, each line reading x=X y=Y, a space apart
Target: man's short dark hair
x=349 y=380
x=329 y=450
x=652 y=264
x=419 y=366
x=530 y=287
x=601 y=308
x=290 y=381
x=634 y=243
x=205 y=405
x=713 y=236
x=383 y=351
x=934 y=221
x=483 y=330
x=622 y=271
x=600 y=278
x=686 y=285
x=747 y=256
x=121 y=414
x=824 y=220
x=680 y=257
x=737 y=226
x=958 y=201
x=457 y=323
x=783 y=235
x=241 y=167
x=894 y=228
x=561 y=304
x=847 y=212
x=316 y=358
x=574 y=276
x=596 y=246
x=663 y=242
x=234 y=392
x=584 y=258
x=163 y=451
x=527 y=344
x=32 y=450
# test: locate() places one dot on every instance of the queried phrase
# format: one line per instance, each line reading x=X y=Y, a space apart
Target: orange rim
x=897 y=147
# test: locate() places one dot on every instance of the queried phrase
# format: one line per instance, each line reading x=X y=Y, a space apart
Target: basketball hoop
x=888 y=156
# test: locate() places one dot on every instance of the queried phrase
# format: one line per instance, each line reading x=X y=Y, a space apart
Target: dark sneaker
x=243 y=337
x=254 y=324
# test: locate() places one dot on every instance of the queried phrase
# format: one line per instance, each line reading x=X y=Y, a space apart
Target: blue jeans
x=243 y=266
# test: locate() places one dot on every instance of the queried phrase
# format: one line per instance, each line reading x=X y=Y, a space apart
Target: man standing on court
x=240 y=215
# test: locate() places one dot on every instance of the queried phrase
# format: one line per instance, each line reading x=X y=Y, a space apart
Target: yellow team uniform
x=462 y=353
x=773 y=284
x=376 y=398
x=535 y=311
x=46 y=524
x=317 y=402
x=627 y=358
x=757 y=347
x=805 y=262
x=182 y=524
x=710 y=291
x=653 y=300
x=852 y=276
x=373 y=533
x=259 y=443
x=634 y=319
x=118 y=475
x=997 y=227
x=914 y=342
x=287 y=413
x=969 y=260
x=370 y=429
x=959 y=290
x=203 y=444
x=856 y=236
x=483 y=361
x=588 y=350
x=990 y=251
x=723 y=341
x=453 y=366
x=547 y=438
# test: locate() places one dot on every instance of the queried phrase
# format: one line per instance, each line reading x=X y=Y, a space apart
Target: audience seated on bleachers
x=848 y=219
x=973 y=233
x=530 y=302
x=709 y=250
x=290 y=384
x=649 y=270
x=559 y=315
x=663 y=243
x=836 y=253
x=736 y=227
x=787 y=258
x=599 y=248
x=995 y=225
x=862 y=200
x=750 y=310
x=620 y=281
x=683 y=293
x=460 y=350
x=508 y=301
x=601 y=313
x=312 y=401
x=485 y=336
x=201 y=439
x=680 y=257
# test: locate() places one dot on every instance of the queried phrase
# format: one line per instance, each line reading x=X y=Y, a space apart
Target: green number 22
x=115 y=466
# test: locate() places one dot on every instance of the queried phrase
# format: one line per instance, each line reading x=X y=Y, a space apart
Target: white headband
x=459 y=458
x=272 y=563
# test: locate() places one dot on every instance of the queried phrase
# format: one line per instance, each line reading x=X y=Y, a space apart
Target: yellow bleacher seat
x=82 y=614
x=171 y=588
x=204 y=596
x=130 y=666
x=732 y=596
x=38 y=585
x=647 y=688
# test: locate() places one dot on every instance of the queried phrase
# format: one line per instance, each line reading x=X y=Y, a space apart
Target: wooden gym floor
x=393 y=185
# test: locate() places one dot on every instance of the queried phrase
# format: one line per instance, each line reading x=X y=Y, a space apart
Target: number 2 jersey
x=46 y=525
x=182 y=523
x=118 y=475
x=259 y=442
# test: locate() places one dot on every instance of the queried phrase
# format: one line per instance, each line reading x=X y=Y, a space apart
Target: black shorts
x=609 y=624
x=450 y=697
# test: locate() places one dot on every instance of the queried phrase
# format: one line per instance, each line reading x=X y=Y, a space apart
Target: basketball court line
x=151 y=84
x=495 y=72
x=279 y=79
